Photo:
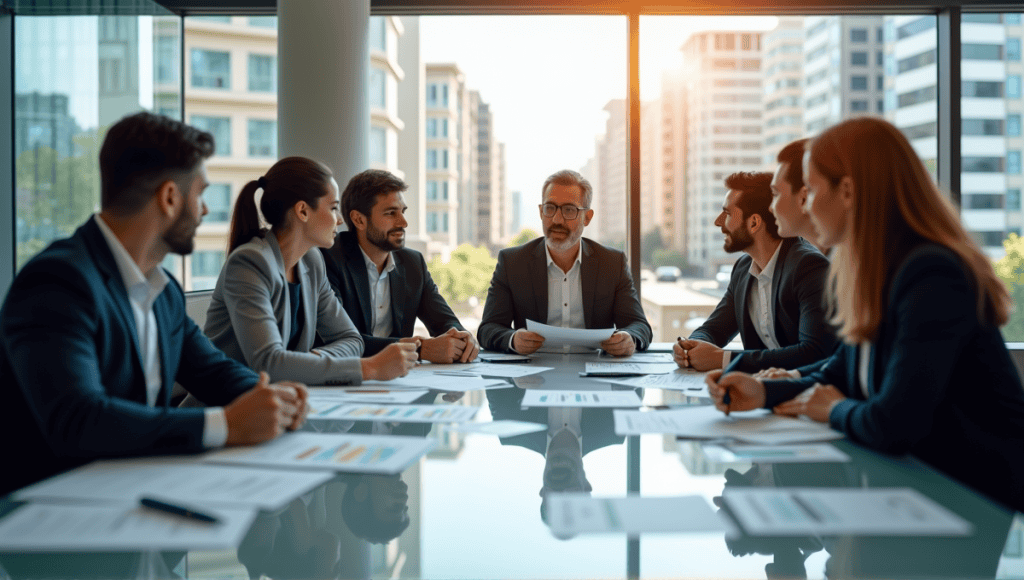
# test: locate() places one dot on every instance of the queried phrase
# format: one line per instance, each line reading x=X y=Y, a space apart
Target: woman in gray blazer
x=272 y=296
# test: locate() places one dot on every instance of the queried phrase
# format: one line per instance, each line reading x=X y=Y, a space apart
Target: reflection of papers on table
x=555 y=336
x=805 y=511
x=811 y=453
x=689 y=381
x=379 y=454
x=506 y=428
x=185 y=480
x=546 y=398
x=321 y=399
x=596 y=369
x=398 y=413
x=450 y=382
x=122 y=527
x=570 y=514
x=706 y=422
x=507 y=371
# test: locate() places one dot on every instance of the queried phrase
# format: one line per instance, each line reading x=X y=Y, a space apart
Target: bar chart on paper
x=396 y=413
x=384 y=454
x=543 y=398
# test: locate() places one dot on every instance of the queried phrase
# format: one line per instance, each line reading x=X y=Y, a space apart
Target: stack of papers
x=376 y=454
x=829 y=512
x=448 y=382
x=545 y=398
x=570 y=514
x=508 y=371
x=810 y=453
x=759 y=426
x=618 y=369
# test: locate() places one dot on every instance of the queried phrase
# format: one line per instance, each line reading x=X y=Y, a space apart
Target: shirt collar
x=769 y=268
x=579 y=255
x=389 y=265
x=141 y=288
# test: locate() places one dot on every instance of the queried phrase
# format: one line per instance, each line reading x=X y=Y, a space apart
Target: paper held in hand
x=558 y=336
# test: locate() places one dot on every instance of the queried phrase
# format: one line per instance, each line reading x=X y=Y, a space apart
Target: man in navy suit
x=383 y=285
x=94 y=331
x=775 y=299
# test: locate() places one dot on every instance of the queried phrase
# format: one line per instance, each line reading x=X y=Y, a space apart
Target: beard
x=383 y=239
x=180 y=237
x=738 y=240
x=571 y=238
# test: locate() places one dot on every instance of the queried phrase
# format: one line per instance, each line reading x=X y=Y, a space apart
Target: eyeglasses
x=569 y=211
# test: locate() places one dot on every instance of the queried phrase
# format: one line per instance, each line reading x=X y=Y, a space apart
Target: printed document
x=504 y=428
x=322 y=398
x=506 y=371
x=781 y=511
x=810 y=453
x=438 y=382
x=707 y=422
x=689 y=381
x=570 y=514
x=377 y=454
x=555 y=336
x=546 y=398
x=622 y=368
x=397 y=413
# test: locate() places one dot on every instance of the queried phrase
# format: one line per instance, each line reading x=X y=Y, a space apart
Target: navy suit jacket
x=801 y=329
x=71 y=377
x=941 y=384
x=519 y=291
x=413 y=293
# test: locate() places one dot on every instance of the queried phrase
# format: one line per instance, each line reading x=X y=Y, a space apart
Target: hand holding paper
x=557 y=336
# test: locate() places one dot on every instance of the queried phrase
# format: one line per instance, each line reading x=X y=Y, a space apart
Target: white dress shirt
x=380 y=295
x=565 y=300
x=759 y=304
x=143 y=291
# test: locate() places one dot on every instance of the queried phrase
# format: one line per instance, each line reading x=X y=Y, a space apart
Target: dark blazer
x=519 y=291
x=71 y=375
x=941 y=383
x=798 y=286
x=413 y=293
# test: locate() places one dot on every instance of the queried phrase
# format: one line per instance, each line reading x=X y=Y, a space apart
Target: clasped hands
x=265 y=411
x=620 y=343
x=747 y=393
x=697 y=354
x=451 y=347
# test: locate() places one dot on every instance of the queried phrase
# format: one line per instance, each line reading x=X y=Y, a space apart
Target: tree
x=1010 y=269
x=650 y=243
x=466 y=274
x=524 y=235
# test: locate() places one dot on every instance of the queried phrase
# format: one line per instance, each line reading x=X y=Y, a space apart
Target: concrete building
x=672 y=132
x=651 y=166
x=723 y=103
x=783 y=86
x=445 y=93
x=611 y=188
x=991 y=104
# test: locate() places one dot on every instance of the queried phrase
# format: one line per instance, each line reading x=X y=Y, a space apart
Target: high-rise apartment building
x=723 y=103
x=844 y=69
x=445 y=95
x=672 y=139
x=783 y=86
x=991 y=105
x=611 y=187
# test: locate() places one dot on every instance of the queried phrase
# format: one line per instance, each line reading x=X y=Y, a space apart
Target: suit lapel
x=114 y=283
x=396 y=280
x=539 y=276
x=357 y=270
x=588 y=278
x=748 y=334
x=780 y=265
x=164 y=324
x=309 y=306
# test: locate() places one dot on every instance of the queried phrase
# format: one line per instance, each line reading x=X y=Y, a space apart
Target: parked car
x=667 y=273
x=724 y=275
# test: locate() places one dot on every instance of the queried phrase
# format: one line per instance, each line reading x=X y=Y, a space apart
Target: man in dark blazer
x=94 y=331
x=385 y=286
x=775 y=299
x=563 y=280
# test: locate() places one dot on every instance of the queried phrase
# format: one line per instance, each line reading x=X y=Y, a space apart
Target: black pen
x=726 y=400
x=179 y=510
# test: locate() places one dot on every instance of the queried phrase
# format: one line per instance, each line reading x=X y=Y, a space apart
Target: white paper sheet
x=689 y=381
x=555 y=336
x=570 y=514
x=182 y=479
x=706 y=422
x=547 y=398
x=814 y=511
x=437 y=382
x=605 y=368
x=379 y=454
x=507 y=371
x=811 y=453
x=40 y=527
x=640 y=357
x=504 y=428
x=321 y=399
x=398 y=413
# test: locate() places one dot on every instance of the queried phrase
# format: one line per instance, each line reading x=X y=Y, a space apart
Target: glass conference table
x=473 y=509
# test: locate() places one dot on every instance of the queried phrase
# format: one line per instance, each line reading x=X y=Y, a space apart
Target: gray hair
x=570 y=177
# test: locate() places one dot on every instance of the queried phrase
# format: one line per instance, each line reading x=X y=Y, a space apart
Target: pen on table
x=180 y=510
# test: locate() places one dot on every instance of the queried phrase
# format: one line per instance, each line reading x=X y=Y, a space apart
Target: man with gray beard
x=563 y=279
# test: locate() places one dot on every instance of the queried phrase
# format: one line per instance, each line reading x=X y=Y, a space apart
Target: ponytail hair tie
x=262 y=182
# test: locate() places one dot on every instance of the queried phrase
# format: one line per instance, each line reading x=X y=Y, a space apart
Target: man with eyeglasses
x=563 y=279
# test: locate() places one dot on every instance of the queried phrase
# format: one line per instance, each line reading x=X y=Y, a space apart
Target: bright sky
x=548 y=78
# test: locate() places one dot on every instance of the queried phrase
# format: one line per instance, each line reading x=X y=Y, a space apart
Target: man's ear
x=169 y=198
x=801 y=196
x=587 y=216
x=358 y=219
x=754 y=223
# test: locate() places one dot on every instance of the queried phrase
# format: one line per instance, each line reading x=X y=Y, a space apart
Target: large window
x=218 y=201
x=219 y=127
x=262 y=138
x=211 y=69
x=263 y=73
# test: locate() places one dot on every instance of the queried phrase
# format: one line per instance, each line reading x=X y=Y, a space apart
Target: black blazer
x=71 y=376
x=941 y=383
x=798 y=286
x=519 y=291
x=413 y=293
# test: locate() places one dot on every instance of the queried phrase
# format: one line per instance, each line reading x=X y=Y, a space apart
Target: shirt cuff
x=726 y=357
x=511 y=339
x=215 y=428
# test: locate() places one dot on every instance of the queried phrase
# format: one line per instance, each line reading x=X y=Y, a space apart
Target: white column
x=323 y=108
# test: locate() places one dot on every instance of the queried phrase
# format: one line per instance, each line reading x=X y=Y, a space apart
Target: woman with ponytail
x=272 y=297
x=924 y=369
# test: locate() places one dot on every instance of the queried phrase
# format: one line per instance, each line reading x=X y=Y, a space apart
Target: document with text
x=438 y=382
x=707 y=422
x=594 y=369
x=689 y=381
x=320 y=399
x=397 y=413
x=570 y=514
x=555 y=336
x=546 y=398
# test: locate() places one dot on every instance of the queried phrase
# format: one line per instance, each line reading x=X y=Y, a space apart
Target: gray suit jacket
x=519 y=291
x=250 y=313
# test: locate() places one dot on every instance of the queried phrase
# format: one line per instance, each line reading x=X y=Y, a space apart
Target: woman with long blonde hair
x=923 y=369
